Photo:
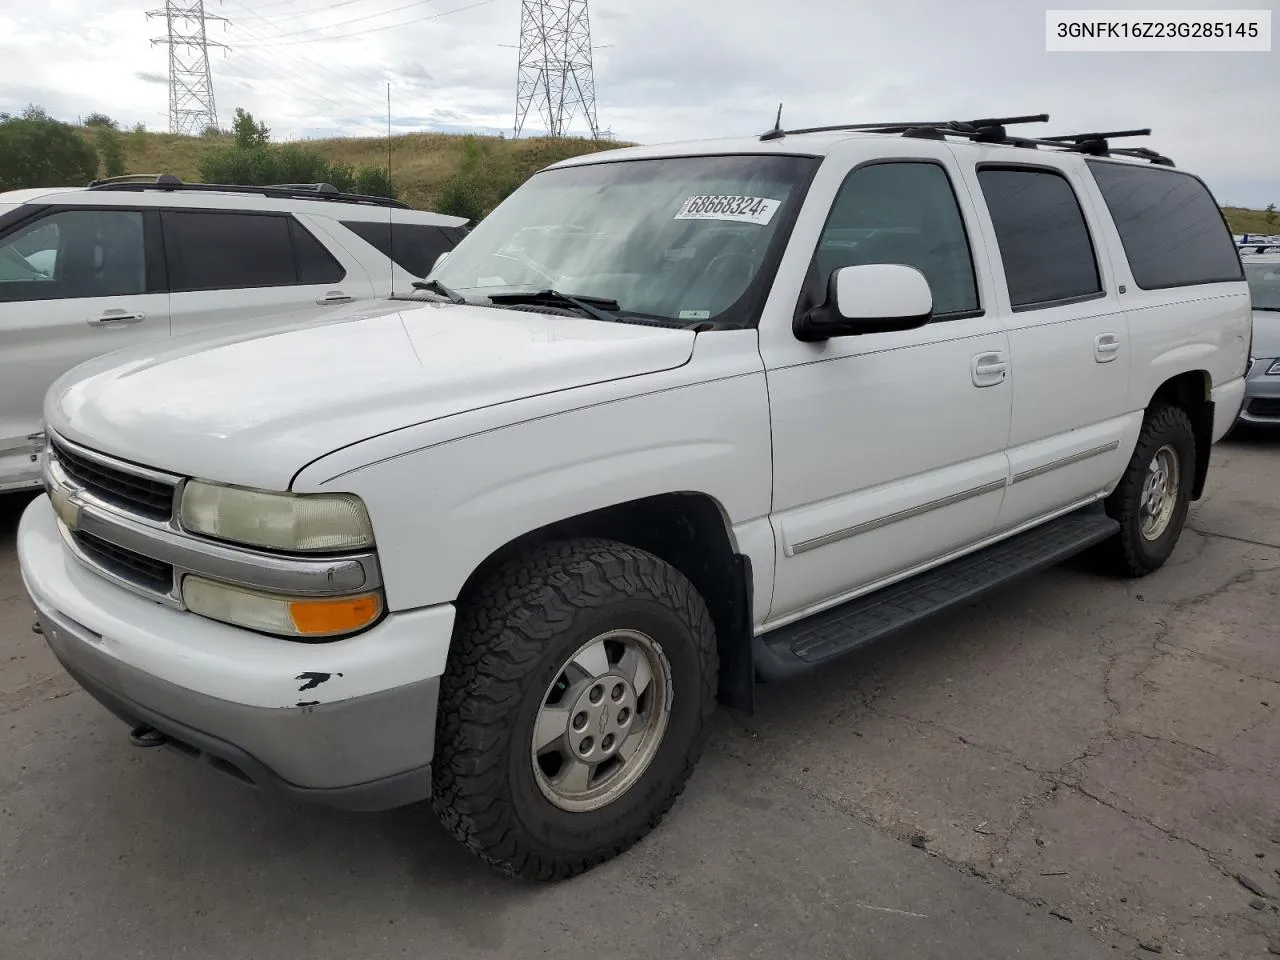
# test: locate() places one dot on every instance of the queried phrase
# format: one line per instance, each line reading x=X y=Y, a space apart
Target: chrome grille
x=129 y=491
x=127 y=564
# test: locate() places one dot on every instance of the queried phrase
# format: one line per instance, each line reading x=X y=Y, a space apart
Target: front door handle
x=988 y=369
x=112 y=318
x=334 y=296
x=1106 y=346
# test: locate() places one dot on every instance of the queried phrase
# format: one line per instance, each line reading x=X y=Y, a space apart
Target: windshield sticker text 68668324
x=739 y=209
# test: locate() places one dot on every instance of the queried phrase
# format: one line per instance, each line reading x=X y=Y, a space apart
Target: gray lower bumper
x=1261 y=396
x=368 y=753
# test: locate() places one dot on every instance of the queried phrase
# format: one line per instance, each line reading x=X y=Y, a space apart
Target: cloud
x=665 y=70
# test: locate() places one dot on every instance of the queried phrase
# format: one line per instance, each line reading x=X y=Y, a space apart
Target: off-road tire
x=513 y=633
x=1129 y=553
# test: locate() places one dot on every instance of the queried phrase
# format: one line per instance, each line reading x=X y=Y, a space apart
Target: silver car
x=1262 y=388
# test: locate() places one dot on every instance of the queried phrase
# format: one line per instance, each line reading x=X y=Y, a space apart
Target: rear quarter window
x=1173 y=231
x=413 y=246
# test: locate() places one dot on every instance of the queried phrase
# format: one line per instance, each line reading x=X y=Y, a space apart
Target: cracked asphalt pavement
x=1077 y=767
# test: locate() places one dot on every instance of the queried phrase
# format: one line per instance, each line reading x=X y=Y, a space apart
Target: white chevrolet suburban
x=670 y=421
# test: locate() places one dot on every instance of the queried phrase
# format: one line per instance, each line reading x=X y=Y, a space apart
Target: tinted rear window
x=227 y=251
x=1173 y=233
x=413 y=246
x=315 y=263
x=1043 y=239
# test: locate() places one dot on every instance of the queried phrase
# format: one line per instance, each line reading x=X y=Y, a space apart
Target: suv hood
x=1266 y=334
x=253 y=406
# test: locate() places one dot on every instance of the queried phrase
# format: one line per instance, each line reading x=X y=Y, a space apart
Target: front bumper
x=349 y=723
x=1261 y=395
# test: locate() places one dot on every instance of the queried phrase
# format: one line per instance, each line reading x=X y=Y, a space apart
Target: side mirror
x=869 y=298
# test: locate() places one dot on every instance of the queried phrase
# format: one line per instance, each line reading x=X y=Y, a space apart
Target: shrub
x=373 y=182
x=110 y=150
x=461 y=198
x=38 y=151
x=296 y=164
x=99 y=120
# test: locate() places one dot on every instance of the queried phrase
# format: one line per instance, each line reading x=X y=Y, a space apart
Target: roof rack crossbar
x=1110 y=135
x=958 y=126
x=289 y=191
x=992 y=130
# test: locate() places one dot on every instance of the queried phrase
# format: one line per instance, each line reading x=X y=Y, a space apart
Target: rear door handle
x=334 y=296
x=1106 y=346
x=111 y=318
x=988 y=369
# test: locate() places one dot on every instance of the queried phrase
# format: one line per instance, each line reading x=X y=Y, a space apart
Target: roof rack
x=992 y=130
x=287 y=191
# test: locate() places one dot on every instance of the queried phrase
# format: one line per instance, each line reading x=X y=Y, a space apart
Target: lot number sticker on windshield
x=740 y=209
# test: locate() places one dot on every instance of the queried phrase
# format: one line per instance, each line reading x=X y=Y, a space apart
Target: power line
x=343 y=23
x=390 y=26
x=311 y=66
x=255 y=15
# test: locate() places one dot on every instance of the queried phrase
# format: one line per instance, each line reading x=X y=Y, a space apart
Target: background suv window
x=233 y=251
x=902 y=212
x=414 y=247
x=1043 y=239
x=75 y=253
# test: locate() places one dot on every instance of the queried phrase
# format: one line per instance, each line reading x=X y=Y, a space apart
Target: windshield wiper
x=593 y=306
x=435 y=286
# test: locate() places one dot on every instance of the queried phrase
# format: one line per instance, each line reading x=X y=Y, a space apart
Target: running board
x=809 y=643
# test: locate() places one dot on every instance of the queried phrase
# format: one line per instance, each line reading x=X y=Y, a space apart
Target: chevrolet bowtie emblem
x=68 y=510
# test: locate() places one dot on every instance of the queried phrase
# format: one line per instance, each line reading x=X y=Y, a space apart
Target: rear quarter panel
x=1176 y=330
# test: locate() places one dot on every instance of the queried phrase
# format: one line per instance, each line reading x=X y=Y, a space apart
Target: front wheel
x=573 y=708
x=1153 y=496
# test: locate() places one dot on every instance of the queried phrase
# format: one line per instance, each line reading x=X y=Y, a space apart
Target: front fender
x=441 y=508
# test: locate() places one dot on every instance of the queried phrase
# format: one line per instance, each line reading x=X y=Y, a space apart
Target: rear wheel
x=573 y=707
x=1153 y=496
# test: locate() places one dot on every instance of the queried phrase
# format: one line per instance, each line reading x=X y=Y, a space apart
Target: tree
x=99 y=120
x=38 y=151
x=110 y=150
x=1269 y=214
x=249 y=133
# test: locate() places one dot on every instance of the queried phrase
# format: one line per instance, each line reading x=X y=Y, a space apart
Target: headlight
x=287 y=616
x=280 y=521
x=1274 y=369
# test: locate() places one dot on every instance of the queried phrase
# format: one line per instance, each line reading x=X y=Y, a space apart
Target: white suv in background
x=87 y=270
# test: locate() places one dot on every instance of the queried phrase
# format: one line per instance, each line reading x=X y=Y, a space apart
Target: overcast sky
x=665 y=69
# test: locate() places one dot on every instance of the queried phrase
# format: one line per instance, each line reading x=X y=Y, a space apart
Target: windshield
x=1264 y=285
x=679 y=238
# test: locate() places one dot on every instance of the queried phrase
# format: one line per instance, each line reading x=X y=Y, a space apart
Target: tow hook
x=145 y=735
x=36 y=628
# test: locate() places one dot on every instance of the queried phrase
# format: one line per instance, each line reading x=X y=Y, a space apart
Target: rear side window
x=1044 y=241
x=315 y=263
x=227 y=251
x=1172 y=230
x=414 y=247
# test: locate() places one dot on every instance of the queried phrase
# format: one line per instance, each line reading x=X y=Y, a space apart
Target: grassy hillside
x=421 y=163
x=1252 y=221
